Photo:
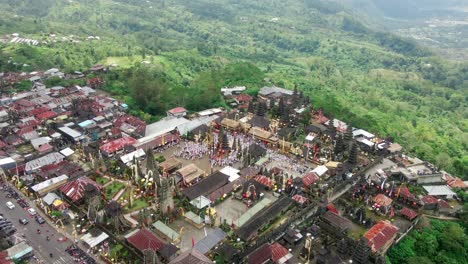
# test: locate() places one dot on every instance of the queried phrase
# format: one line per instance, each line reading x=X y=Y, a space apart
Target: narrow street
x=58 y=240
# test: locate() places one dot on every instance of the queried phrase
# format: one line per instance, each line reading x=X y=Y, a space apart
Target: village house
x=334 y=224
x=75 y=189
x=177 y=112
x=381 y=236
x=110 y=148
x=190 y=174
x=234 y=90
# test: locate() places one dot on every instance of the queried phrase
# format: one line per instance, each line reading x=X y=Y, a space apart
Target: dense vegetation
x=438 y=242
x=190 y=49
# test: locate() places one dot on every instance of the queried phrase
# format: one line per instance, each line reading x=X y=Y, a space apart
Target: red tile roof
x=24 y=130
x=39 y=110
x=260 y=255
x=443 y=204
x=139 y=124
x=410 y=214
x=75 y=189
x=429 y=199
x=177 y=110
x=31 y=123
x=455 y=182
x=144 y=239
x=24 y=103
x=299 y=198
x=46 y=115
x=264 y=180
x=242 y=98
x=380 y=234
x=118 y=144
x=44 y=148
x=278 y=252
x=404 y=191
x=382 y=200
x=309 y=179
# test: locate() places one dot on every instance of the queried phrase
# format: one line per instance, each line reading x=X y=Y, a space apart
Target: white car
x=32 y=212
x=10 y=205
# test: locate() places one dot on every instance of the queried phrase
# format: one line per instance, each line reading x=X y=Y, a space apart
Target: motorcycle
x=38 y=231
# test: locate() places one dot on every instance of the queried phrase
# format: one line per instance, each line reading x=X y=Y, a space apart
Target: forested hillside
x=376 y=80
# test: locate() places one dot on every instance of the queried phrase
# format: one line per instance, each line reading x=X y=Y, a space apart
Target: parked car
x=9 y=231
x=32 y=211
x=24 y=221
x=6 y=224
x=10 y=205
x=40 y=220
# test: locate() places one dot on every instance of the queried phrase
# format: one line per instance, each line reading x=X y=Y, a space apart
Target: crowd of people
x=190 y=150
x=278 y=160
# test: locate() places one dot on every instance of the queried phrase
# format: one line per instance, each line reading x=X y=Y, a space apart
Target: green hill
x=376 y=80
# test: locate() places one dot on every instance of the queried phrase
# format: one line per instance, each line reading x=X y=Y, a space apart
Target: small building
x=49 y=185
x=92 y=241
x=429 y=202
x=206 y=244
x=20 y=251
x=190 y=174
x=233 y=173
x=230 y=124
x=75 y=189
x=51 y=158
x=177 y=112
x=261 y=255
x=170 y=165
x=382 y=202
x=363 y=134
x=7 y=163
x=279 y=254
x=143 y=239
x=408 y=213
x=206 y=186
x=50 y=198
x=226 y=91
x=320 y=170
x=381 y=236
x=210 y=112
x=266 y=91
x=309 y=179
x=194 y=219
x=165 y=231
x=71 y=134
x=334 y=224
x=127 y=159
x=441 y=191
x=191 y=257
x=110 y=148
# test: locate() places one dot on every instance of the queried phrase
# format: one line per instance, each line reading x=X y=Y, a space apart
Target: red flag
x=193 y=242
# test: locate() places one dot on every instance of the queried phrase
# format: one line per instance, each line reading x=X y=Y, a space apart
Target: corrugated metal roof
x=50 y=158
x=210 y=241
x=167 y=231
x=45 y=184
x=164 y=125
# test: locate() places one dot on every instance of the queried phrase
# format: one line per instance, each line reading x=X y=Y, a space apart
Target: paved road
x=42 y=247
